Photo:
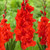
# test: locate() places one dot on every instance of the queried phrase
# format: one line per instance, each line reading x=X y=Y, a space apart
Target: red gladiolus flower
x=5 y=33
x=23 y=5
x=42 y=26
x=24 y=26
x=2 y=41
x=29 y=8
x=26 y=1
x=48 y=36
x=6 y=30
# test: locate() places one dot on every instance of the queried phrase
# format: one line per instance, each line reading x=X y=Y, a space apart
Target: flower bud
x=44 y=13
x=41 y=11
x=3 y=15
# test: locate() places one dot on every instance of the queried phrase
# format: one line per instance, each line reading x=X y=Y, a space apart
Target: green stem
x=44 y=2
x=5 y=7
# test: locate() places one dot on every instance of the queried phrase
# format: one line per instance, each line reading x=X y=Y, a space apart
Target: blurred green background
x=12 y=6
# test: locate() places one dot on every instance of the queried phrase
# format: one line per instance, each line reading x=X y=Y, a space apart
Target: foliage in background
x=12 y=6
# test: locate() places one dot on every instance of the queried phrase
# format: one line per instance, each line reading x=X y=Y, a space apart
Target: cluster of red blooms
x=42 y=26
x=5 y=33
x=48 y=37
x=24 y=25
